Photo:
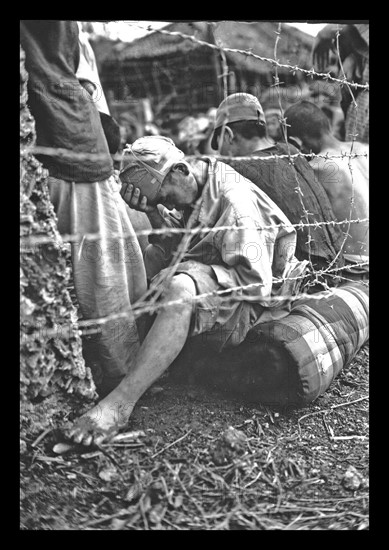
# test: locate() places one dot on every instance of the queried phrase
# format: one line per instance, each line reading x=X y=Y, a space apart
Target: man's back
x=345 y=179
x=293 y=190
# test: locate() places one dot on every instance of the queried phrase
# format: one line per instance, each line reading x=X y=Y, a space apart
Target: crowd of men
x=263 y=226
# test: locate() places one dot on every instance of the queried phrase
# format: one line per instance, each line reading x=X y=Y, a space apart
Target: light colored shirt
x=259 y=249
x=87 y=70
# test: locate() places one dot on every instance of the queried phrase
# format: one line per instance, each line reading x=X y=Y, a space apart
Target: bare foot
x=102 y=422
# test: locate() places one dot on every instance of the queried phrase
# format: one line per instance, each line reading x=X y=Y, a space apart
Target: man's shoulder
x=241 y=193
x=229 y=184
x=341 y=155
x=230 y=180
x=278 y=148
x=346 y=147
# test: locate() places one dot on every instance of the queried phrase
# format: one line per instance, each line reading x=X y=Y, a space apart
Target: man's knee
x=180 y=286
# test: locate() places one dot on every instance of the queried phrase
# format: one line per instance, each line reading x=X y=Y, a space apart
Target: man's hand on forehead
x=134 y=199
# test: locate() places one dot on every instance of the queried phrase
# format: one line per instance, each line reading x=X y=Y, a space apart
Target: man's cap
x=237 y=107
x=147 y=162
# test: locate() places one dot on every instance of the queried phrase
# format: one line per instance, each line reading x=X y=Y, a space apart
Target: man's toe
x=88 y=440
x=77 y=436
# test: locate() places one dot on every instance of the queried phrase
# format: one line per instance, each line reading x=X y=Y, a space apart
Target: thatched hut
x=181 y=77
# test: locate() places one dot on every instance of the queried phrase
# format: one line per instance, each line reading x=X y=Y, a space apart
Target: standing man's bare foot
x=103 y=421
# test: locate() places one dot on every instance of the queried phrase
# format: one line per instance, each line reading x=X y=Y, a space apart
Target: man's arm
x=159 y=218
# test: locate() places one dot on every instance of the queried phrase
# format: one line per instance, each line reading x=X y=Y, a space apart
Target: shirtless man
x=256 y=254
x=343 y=179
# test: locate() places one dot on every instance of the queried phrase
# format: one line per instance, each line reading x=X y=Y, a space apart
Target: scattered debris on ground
x=193 y=459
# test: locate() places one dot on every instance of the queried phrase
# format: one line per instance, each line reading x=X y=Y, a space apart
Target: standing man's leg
x=109 y=274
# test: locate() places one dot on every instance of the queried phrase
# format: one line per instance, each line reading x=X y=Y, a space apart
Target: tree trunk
x=51 y=361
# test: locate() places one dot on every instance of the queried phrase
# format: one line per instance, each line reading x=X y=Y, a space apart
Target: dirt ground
x=181 y=466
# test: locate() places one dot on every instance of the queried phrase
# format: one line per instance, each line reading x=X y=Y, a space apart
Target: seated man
x=255 y=253
x=346 y=180
x=292 y=186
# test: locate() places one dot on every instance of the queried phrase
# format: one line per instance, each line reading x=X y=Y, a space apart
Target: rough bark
x=50 y=363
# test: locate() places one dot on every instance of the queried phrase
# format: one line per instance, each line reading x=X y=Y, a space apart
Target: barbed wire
x=273 y=156
x=77 y=237
x=247 y=53
x=140 y=308
x=69 y=154
x=225 y=71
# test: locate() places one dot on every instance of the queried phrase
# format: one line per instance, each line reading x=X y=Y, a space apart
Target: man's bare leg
x=161 y=346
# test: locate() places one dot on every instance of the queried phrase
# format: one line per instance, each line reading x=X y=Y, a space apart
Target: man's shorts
x=221 y=318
